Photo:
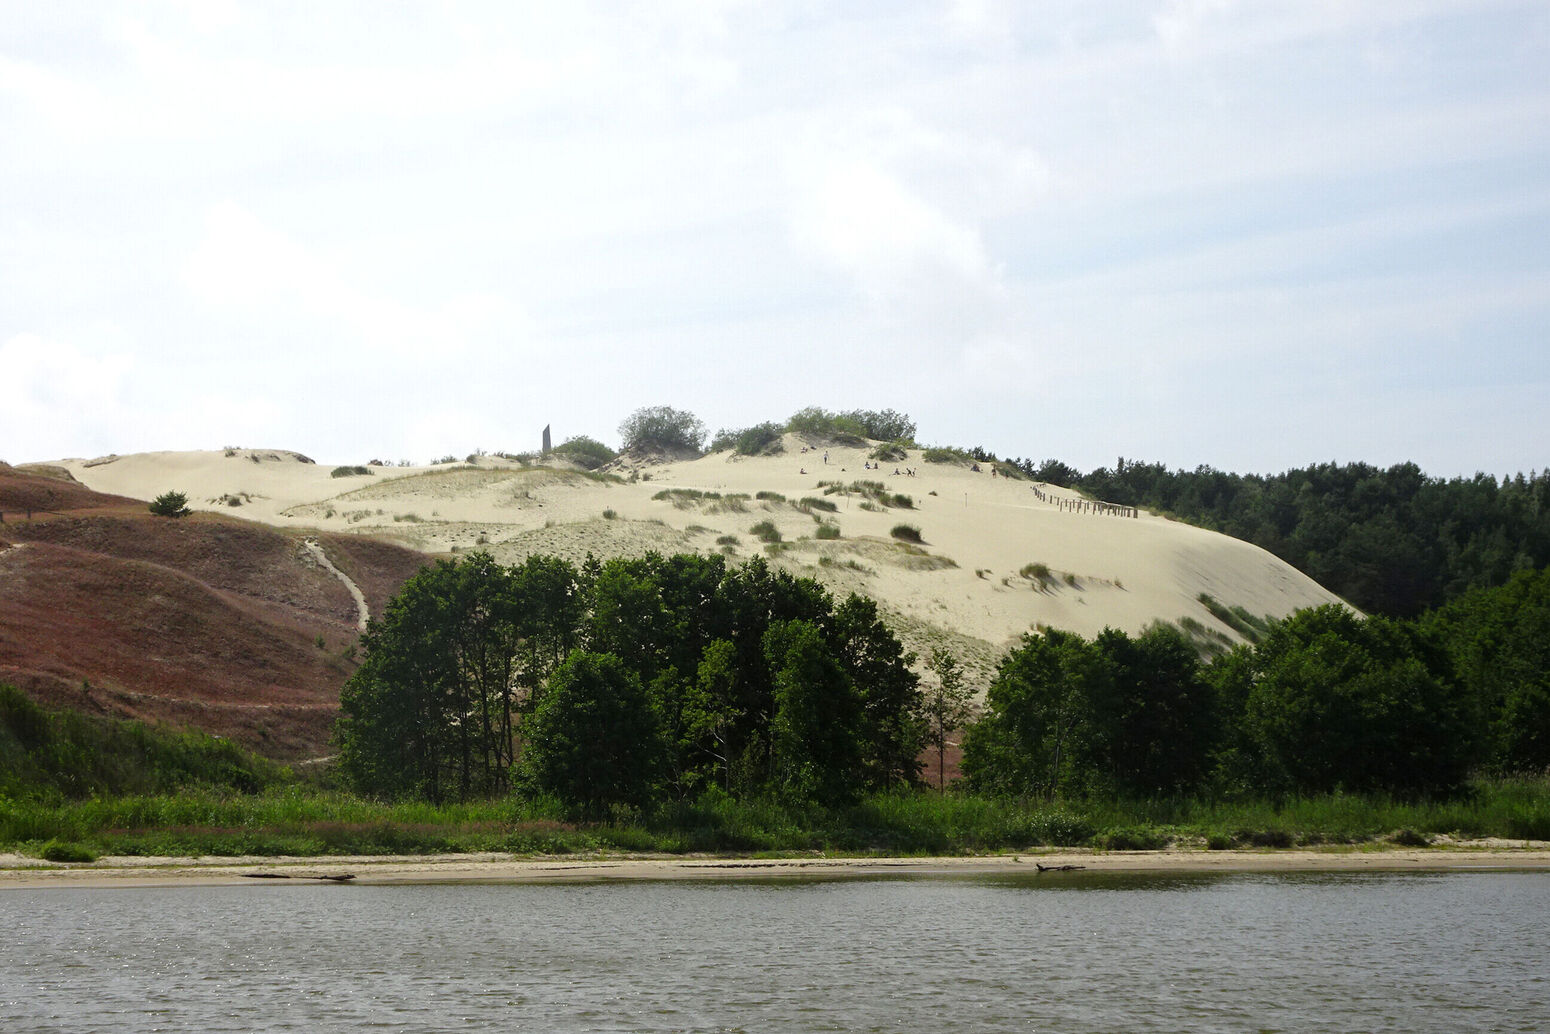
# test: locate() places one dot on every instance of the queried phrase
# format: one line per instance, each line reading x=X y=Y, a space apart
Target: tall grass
x=304 y=821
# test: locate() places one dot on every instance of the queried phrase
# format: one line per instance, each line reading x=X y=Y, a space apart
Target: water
x=1068 y=952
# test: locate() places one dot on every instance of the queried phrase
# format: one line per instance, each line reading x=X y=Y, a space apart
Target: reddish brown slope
x=205 y=621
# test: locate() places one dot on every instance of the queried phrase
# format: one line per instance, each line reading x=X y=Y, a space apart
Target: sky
x=1251 y=235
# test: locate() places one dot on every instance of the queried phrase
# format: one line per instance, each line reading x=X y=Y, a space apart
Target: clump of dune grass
x=765 y=531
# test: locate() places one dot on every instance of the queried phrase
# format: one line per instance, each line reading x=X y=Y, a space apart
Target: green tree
x=662 y=427
x=1155 y=721
x=1337 y=702
x=594 y=740
x=170 y=504
x=949 y=706
x=1499 y=640
x=430 y=711
x=1033 y=737
x=815 y=730
x=710 y=713
x=892 y=720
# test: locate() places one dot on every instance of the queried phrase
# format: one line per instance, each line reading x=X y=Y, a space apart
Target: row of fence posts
x=1087 y=505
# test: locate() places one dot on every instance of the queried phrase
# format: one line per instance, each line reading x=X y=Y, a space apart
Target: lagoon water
x=1053 y=952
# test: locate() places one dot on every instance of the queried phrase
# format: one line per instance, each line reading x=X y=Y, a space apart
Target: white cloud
x=868 y=225
x=49 y=381
x=243 y=264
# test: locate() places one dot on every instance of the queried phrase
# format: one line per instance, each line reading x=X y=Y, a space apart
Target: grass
x=1040 y=575
x=773 y=497
x=873 y=492
x=827 y=531
x=302 y=821
x=684 y=498
x=57 y=756
x=907 y=533
x=812 y=502
x=765 y=531
x=1238 y=619
x=350 y=472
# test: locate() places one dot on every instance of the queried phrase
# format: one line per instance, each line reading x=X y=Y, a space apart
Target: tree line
x=640 y=680
x=1394 y=541
x=1325 y=701
x=628 y=681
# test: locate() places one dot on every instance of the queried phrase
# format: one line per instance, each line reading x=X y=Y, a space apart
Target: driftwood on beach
x=342 y=877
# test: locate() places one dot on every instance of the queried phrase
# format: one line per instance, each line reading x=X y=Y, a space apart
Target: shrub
x=815 y=422
x=609 y=515
x=891 y=452
x=170 y=504
x=350 y=472
x=588 y=453
x=1036 y=572
x=749 y=441
x=936 y=454
x=63 y=851
x=900 y=500
x=1131 y=839
x=662 y=427
x=765 y=531
x=827 y=531
x=906 y=533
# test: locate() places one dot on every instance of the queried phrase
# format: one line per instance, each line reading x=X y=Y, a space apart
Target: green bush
x=350 y=472
x=662 y=427
x=907 y=533
x=749 y=441
x=815 y=422
x=587 y=453
x=827 y=531
x=1135 y=838
x=170 y=504
x=61 y=851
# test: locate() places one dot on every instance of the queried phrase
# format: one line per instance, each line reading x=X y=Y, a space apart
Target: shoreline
x=19 y=872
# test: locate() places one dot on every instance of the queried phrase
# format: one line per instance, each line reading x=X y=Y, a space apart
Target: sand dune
x=963 y=586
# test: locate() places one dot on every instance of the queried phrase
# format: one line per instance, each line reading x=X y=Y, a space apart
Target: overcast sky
x=1253 y=235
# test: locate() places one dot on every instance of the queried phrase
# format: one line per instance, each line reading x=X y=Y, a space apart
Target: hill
x=995 y=557
x=209 y=622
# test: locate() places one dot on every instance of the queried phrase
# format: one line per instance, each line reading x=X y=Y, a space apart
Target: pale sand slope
x=963 y=590
x=17 y=873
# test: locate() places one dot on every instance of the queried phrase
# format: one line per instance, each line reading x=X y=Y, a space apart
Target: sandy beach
x=18 y=872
